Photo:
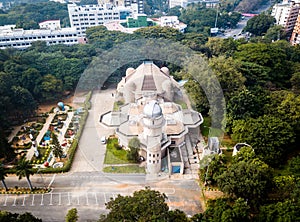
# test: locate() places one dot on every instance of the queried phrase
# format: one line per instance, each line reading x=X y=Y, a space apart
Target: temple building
x=168 y=133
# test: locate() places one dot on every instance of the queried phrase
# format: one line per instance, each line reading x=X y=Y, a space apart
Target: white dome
x=152 y=109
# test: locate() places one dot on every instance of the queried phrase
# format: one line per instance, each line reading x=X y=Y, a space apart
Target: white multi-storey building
x=286 y=14
x=21 y=39
x=184 y=3
x=85 y=16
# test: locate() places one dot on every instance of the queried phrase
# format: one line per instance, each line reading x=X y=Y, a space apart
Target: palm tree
x=24 y=169
x=3 y=174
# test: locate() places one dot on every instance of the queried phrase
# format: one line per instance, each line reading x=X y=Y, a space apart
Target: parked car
x=103 y=140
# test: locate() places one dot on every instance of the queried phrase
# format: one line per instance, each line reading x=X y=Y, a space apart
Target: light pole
x=38 y=172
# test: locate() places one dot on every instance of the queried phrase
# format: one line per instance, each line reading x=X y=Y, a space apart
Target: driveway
x=90 y=154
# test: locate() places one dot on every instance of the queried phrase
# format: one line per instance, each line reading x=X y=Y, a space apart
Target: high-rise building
x=286 y=14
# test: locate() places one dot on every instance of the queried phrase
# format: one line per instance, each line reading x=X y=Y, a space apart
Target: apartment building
x=85 y=16
x=21 y=39
x=295 y=38
x=286 y=14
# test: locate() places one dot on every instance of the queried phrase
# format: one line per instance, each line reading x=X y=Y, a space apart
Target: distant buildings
x=184 y=3
x=286 y=14
x=50 y=32
x=125 y=18
x=135 y=22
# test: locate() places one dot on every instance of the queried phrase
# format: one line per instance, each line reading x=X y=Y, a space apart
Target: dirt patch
x=46 y=107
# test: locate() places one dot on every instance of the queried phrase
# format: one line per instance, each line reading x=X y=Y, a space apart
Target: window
x=157 y=155
x=153 y=155
x=173 y=142
x=149 y=154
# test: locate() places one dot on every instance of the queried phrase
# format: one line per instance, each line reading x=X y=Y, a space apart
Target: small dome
x=152 y=109
x=129 y=71
x=165 y=70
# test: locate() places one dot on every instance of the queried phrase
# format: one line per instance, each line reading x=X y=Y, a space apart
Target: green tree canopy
x=246 y=179
x=144 y=205
x=269 y=136
x=259 y=24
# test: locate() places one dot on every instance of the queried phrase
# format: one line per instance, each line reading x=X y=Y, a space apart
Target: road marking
x=5 y=200
x=59 y=199
x=14 y=204
x=96 y=199
x=50 y=200
x=104 y=197
x=78 y=200
x=87 y=199
x=24 y=201
x=32 y=203
x=53 y=178
x=42 y=200
x=69 y=199
x=114 y=197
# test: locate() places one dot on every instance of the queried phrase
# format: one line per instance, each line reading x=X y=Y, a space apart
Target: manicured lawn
x=206 y=128
x=182 y=104
x=124 y=169
x=114 y=155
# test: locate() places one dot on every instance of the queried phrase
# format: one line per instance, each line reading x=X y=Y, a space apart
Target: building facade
x=286 y=14
x=185 y=3
x=167 y=132
x=85 y=16
x=21 y=39
x=295 y=38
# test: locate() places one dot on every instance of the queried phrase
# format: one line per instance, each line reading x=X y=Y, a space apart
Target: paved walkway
x=39 y=138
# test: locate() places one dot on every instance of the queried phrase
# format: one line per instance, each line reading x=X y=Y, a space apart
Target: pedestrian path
x=39 y=138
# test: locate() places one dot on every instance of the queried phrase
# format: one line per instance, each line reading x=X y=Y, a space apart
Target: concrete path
x=39 y=138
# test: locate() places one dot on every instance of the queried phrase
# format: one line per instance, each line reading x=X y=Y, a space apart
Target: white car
x=103 y=140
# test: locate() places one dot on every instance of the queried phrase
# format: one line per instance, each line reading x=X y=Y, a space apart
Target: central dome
x=152 y=109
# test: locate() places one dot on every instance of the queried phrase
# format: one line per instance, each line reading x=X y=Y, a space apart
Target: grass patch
x=124 y=169
x=182 y=104
x=114 y=155
x=207 y=130
x=117 y=105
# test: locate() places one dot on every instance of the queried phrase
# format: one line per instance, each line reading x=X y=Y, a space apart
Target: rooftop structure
x=150 y=114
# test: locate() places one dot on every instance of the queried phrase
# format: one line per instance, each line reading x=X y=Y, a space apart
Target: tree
x=144 y=205
x=294 y=165
x=24 y=169
x=269 y=136
x=275 y=33
x=72 y=215
x=223 y=210
x=211 y=167
x=25 y=217
x=226 y=70
x=159 y=32
x=259 y=24
x=3 y=174
x=246 y=179
x=134 y=146
x=281 y=211
x=56 y=149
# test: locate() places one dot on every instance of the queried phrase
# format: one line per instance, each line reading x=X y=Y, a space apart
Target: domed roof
x=152 y=109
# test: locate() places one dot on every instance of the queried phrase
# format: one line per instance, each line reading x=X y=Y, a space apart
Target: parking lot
x=95 y=199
